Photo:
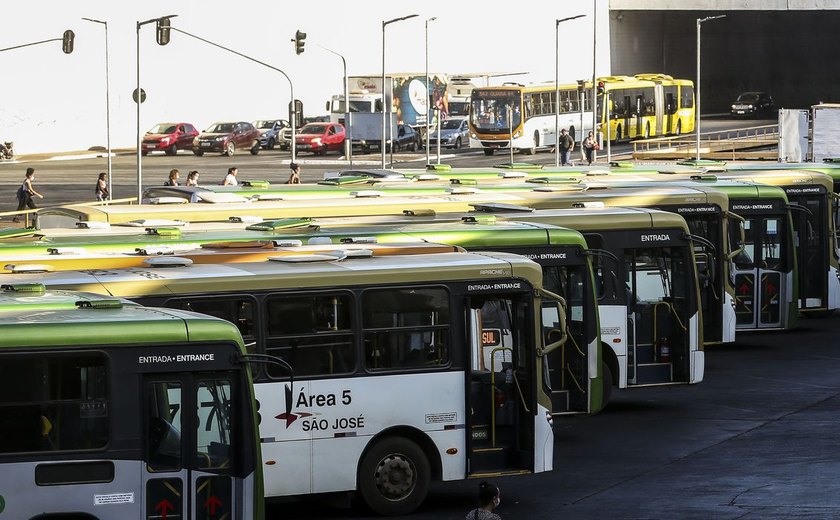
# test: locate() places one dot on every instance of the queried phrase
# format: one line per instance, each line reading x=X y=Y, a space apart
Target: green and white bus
x=407 y=368
x=112 y=410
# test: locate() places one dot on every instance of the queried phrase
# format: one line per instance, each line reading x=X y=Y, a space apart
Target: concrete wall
x=790 y=54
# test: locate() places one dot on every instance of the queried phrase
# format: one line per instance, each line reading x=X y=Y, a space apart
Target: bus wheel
x=647 y=131
x=488 y=151
x=394 y=476
x=607 y=384
x=618 y=133
x=679 y=127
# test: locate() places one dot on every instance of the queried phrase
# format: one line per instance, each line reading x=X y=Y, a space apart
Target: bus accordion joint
x=358 y=240
x=28 y=268
x=105 y=303
x=66 y=250
x=30 y=288
x=419 y=212
x=479 y=219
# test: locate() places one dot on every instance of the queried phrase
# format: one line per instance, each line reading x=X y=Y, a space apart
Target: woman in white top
x=230 y=178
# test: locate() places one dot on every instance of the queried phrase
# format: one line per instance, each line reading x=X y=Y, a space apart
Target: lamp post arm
x=30 y=44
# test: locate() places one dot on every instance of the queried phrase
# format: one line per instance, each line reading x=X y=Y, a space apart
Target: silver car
x=454 y=133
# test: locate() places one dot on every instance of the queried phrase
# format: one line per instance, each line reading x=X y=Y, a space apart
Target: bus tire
x=488 y=151
x=394 y=476
x=679 y=127
x=607 y=381
x=647 y=131
x=618 y=133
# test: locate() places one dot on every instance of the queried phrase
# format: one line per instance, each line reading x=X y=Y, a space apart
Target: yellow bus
x=646 y=105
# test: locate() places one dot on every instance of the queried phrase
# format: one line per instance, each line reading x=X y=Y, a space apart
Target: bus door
x=659 y=286
x=809 y=211
x=670 y=112
x=640 y=112
x=501 y=396
x=191 y=458
x=761 y=280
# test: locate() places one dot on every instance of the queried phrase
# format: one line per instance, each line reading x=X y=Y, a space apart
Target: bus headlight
x=473 y=136
x=517 y=134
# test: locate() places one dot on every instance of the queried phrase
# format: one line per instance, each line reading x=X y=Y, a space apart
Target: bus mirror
x=741 y=223
x=561 y=321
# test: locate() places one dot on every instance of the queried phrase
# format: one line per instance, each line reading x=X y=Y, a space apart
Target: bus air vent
x=497 y=207
x=427 y=177
x=154 y=250
x=438 y=167
x=163 y=232
x=93 y=225
x=463 y=182
x=256 y=184
x=258 y=197
x=28 y=268
x=156 y=223
x=513 y=175
x=419 y=212
x=288 y=243
x=283 y=223
x=359 y=240
x=31 y=288
x=462 y=190
x=330 y=256
x=167 y=261
x=99 y=304
x=319 y=241
x=66 y=250
x=363 y=194
x=245 y=219
x=479 y=219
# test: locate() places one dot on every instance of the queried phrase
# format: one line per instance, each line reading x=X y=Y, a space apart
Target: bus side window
x=406 y=327
x=314 y=333
x=238 y=310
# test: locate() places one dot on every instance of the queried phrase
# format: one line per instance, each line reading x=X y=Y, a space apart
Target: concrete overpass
x=786 y=47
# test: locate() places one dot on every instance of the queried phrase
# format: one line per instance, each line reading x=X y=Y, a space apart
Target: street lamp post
x=697 y=90
x=107 y=104
x=139 y=101
x=348 y=143
x=557 y=23
x=428 y=93
x=385 y=108
x=594 y=78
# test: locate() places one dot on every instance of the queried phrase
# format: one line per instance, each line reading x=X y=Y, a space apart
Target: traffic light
x=601 y=87
x=67 y=41
x=300 y=36
x=162 y=34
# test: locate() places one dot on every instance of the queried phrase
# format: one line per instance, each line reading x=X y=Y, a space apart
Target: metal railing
x=755 y=142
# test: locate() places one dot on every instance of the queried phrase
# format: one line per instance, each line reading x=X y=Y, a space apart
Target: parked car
x=270 y=131
x=407 y=139
x=226 y=138
x=169 y=138
x=320 y=138
x=286 y=134
x=753 y=104
x=454 y=133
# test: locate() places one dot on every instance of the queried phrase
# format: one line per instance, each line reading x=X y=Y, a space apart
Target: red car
x=228 y=137
x=320 y=138
x=169 y=138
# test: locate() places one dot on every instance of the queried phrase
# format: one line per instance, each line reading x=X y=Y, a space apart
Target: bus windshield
x=490 y=109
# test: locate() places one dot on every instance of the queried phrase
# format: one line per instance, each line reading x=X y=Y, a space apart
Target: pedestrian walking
x=566 y=144
x=489 y=499
x=589 y=146
x=192 y=178
x=173 y=178
x=101 y=190
x=294 y=176
x=230 y=178
x=25 y=193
